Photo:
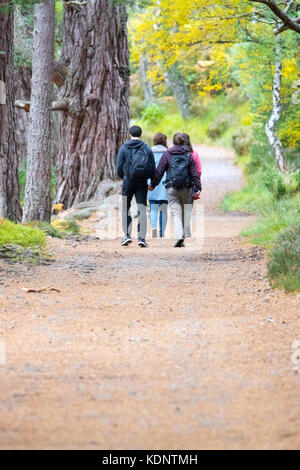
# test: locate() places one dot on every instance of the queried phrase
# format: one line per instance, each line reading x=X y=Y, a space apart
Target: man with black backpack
x=135 y=165
x=182 y=183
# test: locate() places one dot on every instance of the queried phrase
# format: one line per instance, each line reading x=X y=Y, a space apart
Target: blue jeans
x=159 y=209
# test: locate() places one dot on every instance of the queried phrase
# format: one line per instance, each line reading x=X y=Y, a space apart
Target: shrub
x=241 y=142
x=198 y=109
x=21 y=235
x=67 y=226
x=284 y=259
x=219 y=126
x=281 y=184
x=153 y=113
x=236 y=97
x=59 y=228
x=137 y=106
x=275 y=217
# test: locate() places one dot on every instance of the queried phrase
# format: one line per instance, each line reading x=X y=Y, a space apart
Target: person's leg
x=127 y=194
x=154 y=207
x=163 y=217
x=141 y=200
x=187 y=205
x=174 y=199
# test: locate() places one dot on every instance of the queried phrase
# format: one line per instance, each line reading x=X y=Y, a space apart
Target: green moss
x=21 y=235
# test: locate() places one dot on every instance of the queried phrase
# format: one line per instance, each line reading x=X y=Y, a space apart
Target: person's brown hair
x=160 y=139
x=178 y=139
x=187 y=142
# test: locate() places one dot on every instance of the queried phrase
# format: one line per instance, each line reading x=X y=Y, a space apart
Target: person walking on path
x=158 y=198
x=182 y=178
x=135 y=165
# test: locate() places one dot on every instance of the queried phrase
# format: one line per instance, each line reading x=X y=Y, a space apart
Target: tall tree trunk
x=146 y=82
x=180 y=90
x=9 y=186
x=22 y=84
x=96 y=90
x=274 y=141
x=38 y=181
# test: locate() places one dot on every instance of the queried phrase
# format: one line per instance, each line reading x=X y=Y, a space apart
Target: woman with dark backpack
x=158 y=200
x=182 y=177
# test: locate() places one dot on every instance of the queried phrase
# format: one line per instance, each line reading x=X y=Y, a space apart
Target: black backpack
x=139 y=164
x=179 y=172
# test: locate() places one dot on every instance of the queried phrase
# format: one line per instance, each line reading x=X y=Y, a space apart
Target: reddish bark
x=96 y=88
x=9 y=186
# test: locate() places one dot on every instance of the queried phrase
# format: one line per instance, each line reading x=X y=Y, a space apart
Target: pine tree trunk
x=22 y=78
x=38 y=181
x=180 y=90
x=276 y=111
x=9 y=186
x=96 y=91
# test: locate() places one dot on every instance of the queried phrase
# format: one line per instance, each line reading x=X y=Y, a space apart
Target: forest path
x=156 y=348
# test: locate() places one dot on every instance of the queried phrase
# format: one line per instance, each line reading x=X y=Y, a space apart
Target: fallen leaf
x=39 y=291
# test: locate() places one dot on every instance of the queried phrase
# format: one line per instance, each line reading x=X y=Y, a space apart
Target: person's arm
x=195 y=176
x=121 y=162
x=152 y=166
x=198 y=162
x=160 y=170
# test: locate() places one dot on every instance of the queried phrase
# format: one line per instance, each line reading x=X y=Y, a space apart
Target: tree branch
x=288 y=22
x=56 y=105
x=285 y=27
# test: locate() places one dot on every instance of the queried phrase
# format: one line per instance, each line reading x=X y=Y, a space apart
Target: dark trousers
x=139 y=190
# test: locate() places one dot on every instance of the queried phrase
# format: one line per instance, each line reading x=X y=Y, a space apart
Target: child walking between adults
x=158 y=199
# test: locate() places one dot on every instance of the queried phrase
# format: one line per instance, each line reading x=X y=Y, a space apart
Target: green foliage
x=252 y=198
x=206 y=111
x=21 y=235
x=67 y=226
x=275 y=198
x=153 y=113
x=137 y=106
x=23 y=39
x=273 y=218
x=59 y=228
x=284 y=259
x=241 y=142
x=220 y=125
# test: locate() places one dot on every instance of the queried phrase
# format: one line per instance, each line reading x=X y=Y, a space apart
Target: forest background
x=226 y=72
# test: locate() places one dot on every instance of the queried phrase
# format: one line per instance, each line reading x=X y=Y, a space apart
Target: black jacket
x=124 y=156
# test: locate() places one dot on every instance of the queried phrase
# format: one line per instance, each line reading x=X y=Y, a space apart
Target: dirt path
x=151 y=349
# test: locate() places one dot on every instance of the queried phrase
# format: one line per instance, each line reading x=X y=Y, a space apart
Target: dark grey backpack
x=139 y=164
x=179 y=172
